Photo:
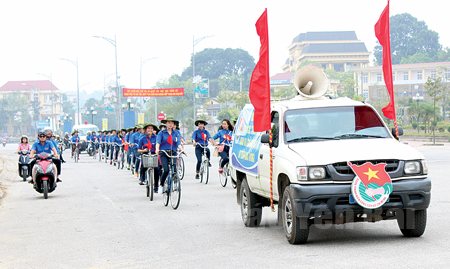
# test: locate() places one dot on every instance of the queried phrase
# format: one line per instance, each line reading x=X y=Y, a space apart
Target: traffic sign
x=161 y=116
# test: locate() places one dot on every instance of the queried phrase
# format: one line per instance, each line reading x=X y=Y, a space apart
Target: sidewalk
x=424 y=143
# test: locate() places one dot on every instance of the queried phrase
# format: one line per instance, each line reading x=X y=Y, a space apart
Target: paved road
x=99 y=217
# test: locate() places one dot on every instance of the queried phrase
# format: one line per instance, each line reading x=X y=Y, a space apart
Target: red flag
x=259 y=91
x=204 y=136
x=382 y=33
x=369 y=173
x=227 y=137
x=169 y=140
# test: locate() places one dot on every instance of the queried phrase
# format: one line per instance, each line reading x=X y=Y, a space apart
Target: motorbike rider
x=23 y=146
x=42 y=145
x=147 y=144
x=56 y=161
x=59 y=147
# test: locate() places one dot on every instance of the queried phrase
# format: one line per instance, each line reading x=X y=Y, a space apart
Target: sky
x=35 y=35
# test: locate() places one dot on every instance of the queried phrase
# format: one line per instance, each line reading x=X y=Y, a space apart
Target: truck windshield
x=333 y=123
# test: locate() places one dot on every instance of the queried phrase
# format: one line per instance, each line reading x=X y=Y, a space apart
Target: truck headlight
x=301 y=173
x=412 y=167
x=316 y=173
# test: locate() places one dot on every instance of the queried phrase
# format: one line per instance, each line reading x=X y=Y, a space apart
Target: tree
x=226 y=97
x=229 y=113
x=408 y=37
x=420 y=57
x=242 y=99
x=435 y=88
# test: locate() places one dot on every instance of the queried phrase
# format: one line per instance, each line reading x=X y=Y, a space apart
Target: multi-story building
x=408 y=79
x=340 y=50
x=44 y=104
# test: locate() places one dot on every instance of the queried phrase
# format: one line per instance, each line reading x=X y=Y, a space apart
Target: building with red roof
x=43 y=103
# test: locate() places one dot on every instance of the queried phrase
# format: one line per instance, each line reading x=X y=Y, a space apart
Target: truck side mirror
x=265 y=138
x=400 y=131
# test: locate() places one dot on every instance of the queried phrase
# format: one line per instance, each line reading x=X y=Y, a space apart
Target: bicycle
x=172 y=185
x=133 y=161
x=101 y=151
x=76 y=152
x=180 y=167
x=204 y=167
x=95 y=145
x=150 y=161
x=120 y=160
x=226 y=173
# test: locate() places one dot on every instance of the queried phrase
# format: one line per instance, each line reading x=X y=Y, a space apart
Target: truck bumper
x=314 y=200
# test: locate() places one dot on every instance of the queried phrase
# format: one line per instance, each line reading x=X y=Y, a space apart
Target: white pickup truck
x=318 y=144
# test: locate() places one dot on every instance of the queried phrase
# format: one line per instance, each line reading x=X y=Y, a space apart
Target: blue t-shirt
x=198 y=137
x=39 y=148
x=75 y=138
x=103 y=138
x=135 y=139
x=55 y=143
x=162 y=137
x=222 y=134
x=143 y=143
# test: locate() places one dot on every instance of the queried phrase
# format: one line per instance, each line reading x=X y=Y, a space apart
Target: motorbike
x=66 y=143
x=45 y=178
x=24 y=164
x=4 y=143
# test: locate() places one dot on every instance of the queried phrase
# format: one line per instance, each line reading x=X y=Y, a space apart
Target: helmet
x=22 y=137
x=41 y=132
x=57 y=135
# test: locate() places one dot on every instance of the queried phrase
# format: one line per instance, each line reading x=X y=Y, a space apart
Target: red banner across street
x=127 y=92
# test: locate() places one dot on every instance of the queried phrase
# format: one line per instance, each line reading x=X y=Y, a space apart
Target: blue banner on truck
x=246 y=143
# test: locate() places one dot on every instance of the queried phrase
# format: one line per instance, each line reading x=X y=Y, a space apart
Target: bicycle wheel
x=180 y=167
x=205 y=173
x=201 y=172
x=175 y=192
x=166 y=191
x=76 y=155
x=223 y=176
x=100 y=154
x=151 y=183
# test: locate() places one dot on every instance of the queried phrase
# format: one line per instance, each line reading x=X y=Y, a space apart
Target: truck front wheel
x=413 y=223
x=251 y=210
x=296 y=229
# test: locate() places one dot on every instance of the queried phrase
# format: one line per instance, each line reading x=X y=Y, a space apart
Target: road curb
x=2 y=193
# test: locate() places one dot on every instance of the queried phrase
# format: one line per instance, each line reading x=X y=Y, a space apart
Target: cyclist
x=170 y=141
x=176 y=129
x=201 y=136
x=115 y=142
x=75 y=139
x=128 y=147
x=147 y=144
x=225 y=133
x=134 y=144
x=59 y=148
x=162 y=127
x=42 y=145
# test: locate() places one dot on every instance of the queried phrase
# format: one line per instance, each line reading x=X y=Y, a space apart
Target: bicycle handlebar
x=170 y=156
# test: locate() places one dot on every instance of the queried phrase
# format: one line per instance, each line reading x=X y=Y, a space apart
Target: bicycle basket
x=150 y=161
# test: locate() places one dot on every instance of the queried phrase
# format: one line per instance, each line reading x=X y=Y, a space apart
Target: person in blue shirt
x=40 y=146
x=115 y=142
x=146 y=145
x=127 y=142
x=176 y=129
x=134 y=144
x=201 y=136
x=48 y=136
x=224 y=134
x=75 y=139
x=170 y=141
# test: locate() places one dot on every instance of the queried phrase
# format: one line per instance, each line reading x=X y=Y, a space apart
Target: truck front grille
x=344 y=169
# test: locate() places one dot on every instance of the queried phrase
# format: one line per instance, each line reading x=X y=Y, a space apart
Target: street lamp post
x=129 y=105
x=92 y=112
x=195 y=42
x=78 y=89
x=114 y=43
x=140 y=81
